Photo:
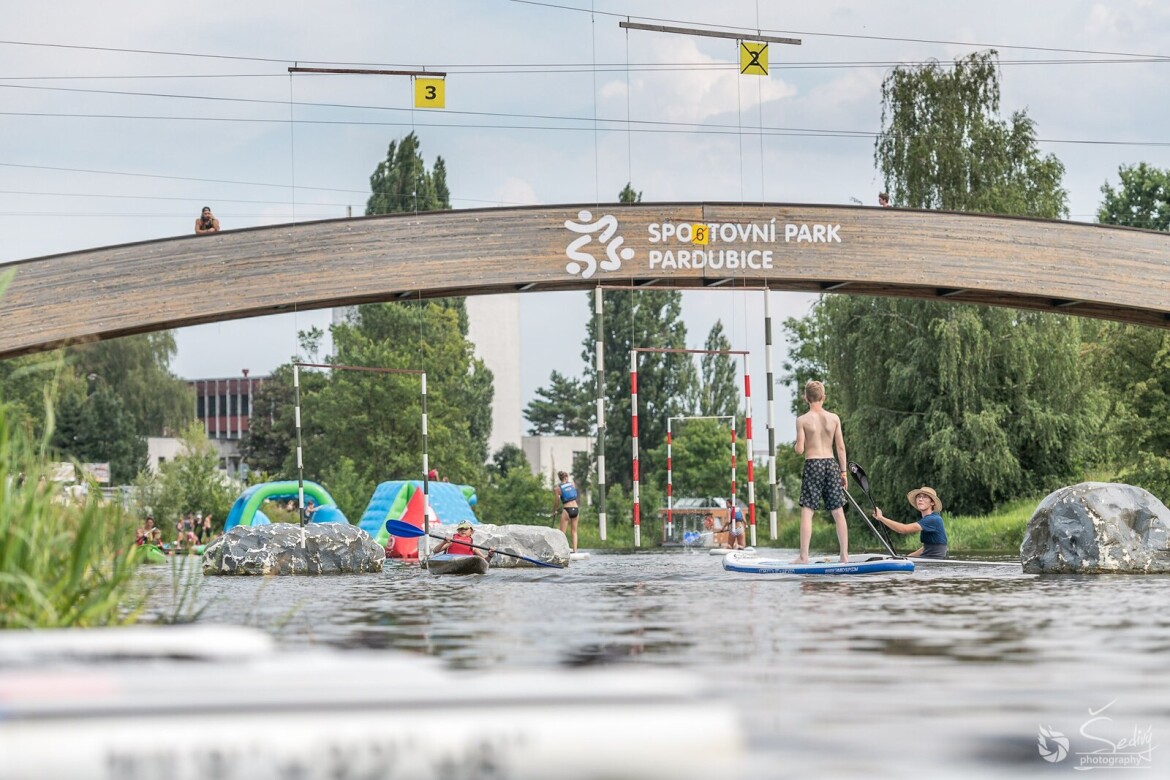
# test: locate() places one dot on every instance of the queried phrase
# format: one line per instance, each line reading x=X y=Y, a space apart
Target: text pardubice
x=699 y=238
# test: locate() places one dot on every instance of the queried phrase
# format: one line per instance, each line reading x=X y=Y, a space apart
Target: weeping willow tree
x=983 y=404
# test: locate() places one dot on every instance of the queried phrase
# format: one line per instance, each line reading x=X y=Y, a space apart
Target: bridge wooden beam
x=1091 y=270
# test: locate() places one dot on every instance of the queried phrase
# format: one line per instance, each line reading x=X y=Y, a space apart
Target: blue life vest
x=568 y=491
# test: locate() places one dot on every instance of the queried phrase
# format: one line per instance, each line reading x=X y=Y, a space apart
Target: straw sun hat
x=463 y=526
x=935 y=500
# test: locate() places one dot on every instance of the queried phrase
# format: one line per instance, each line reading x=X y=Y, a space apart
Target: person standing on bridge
x=206 y=223
x=818 y=433
x=884 y=199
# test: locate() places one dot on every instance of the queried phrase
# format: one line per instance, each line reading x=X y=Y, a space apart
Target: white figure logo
x=1053 y=745
x=584 y=263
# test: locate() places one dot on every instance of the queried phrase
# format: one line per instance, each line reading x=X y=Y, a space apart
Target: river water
x=949 y=671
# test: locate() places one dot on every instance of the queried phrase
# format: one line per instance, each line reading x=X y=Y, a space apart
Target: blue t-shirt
x=932 y=529
x=568 y=491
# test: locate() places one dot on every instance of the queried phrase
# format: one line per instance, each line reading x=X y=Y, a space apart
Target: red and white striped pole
x=731 y=515
x=634 y=439
x=669 y=483
x=747 y=430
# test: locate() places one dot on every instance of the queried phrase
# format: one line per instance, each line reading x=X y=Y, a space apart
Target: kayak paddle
x=865 y=517
x=400 y=528
x=859 y=474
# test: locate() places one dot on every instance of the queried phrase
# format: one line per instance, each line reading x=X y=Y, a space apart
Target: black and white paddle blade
x=859 y=475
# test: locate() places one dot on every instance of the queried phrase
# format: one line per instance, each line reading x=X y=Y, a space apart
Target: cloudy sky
x=120 y=120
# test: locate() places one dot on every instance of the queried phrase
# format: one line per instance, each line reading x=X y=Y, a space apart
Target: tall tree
x=564 y=408
x=375 y=419
x=718 y=393
x=983 y=404
x=402 y=182
x=1136 y=359
x=943 y=146
x=1142 y=199
x=98 y=429
x=138 y=370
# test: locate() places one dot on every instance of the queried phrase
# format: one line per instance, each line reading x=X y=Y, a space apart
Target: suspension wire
x=629 y=136
x=739 y=133
x=596 y=140
x=760 y=98
x=292 y=147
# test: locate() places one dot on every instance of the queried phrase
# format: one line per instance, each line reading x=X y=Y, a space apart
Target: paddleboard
x=960 y=562
x=872 y=564
x=445 y=563
x=578 y=556
x=729 y=551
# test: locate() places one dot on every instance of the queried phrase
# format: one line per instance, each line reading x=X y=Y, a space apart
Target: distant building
x=549 y=454
x=224 y=406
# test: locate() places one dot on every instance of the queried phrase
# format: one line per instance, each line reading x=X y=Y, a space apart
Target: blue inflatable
x=246 y=509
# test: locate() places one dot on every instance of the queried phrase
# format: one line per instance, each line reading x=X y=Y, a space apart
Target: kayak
x=445 y=563
x=869 y=564
x=154 y=555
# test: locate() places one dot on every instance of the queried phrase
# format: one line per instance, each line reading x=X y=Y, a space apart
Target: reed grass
x=60 y=565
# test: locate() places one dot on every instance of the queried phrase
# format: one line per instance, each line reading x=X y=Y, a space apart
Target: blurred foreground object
x=103 y=703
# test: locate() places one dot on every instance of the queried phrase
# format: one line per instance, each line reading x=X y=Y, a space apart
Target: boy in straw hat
x=930 y=525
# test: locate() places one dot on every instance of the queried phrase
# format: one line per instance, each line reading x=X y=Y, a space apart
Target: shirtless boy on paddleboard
x=824 y=478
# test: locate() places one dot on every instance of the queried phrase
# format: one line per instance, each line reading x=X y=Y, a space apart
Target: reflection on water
x=948 y=671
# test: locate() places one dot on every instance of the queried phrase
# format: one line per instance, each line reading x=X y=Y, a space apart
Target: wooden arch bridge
x=1091 y=270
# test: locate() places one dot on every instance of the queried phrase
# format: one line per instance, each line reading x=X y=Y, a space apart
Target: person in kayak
x=818 y=434
x=460 y=544
x=566 y=491
x=929 y=526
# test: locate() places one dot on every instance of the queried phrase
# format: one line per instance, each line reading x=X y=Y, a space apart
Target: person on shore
x=206 y=223
x=884 y=199
x=818 y=434
x=460 y=544
x=930 y=526
x=566 y=492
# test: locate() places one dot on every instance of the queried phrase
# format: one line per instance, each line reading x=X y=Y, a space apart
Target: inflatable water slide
x=246 y=509
x=403 y=500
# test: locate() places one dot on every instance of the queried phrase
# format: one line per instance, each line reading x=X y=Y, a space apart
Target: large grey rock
x=325 y=548
x=532 y=541
x=1098 y=528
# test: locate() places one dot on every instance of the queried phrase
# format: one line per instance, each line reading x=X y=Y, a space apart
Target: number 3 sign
x=429 y=93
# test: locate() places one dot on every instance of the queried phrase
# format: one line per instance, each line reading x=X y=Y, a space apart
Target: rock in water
x=284 y=548
x=1098 y=528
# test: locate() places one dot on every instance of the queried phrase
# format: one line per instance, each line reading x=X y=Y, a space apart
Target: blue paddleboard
x=750 y=564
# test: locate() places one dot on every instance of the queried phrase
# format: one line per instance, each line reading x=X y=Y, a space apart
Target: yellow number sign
x=430 y=93
x=753 y=58
x=699 y=234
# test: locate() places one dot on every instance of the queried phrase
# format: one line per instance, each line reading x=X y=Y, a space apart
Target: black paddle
x=399 y=528
x=883 y=534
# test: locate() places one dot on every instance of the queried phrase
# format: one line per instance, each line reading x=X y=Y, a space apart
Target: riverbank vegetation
x=61 y=564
